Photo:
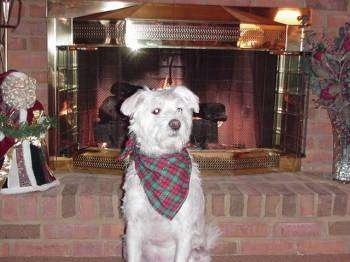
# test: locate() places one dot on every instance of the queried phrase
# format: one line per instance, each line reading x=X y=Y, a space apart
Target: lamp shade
x=288 y=16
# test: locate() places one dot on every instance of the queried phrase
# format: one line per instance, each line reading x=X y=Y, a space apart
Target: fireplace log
x=212 y=111
x=112 y=125
x=205 y=124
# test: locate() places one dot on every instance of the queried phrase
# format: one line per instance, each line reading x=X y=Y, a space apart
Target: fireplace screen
x=249 y=100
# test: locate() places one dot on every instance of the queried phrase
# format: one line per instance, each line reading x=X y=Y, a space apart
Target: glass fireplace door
x=67 y=95
x=291 y=98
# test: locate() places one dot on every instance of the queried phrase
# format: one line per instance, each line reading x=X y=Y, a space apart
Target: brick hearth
x=268 y=214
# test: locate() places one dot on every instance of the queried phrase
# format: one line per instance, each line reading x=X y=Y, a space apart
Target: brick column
x=27 y=45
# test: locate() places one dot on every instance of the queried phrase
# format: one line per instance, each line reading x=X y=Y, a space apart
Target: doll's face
x=18 y=90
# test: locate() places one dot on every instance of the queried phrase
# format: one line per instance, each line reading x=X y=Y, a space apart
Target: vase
x=340 y=121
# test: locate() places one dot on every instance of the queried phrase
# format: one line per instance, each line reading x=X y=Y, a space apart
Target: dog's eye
x=156 y=111
x=179 y=109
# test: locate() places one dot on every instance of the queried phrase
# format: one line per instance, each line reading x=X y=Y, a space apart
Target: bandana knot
x=165 y=178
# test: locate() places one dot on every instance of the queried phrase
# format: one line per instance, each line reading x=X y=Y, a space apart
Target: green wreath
x=24 y=130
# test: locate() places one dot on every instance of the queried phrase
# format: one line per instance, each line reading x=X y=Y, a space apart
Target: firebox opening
x=245 y=103
x=245 y=68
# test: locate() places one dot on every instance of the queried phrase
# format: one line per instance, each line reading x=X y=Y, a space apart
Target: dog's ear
x=189 y=97
x=130 y=104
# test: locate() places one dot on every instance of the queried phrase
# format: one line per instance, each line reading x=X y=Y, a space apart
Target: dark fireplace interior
x=236 y=91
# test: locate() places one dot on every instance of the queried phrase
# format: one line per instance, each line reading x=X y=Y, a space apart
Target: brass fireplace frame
x=80 y=28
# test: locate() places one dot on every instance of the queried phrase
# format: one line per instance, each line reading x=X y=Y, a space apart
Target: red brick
x=4 y=249
x=49 y=207
x=339 y=228
x=272 y=199
x=106 y=206
x=27 y=61
x=272 y=205
x=288 y=200
x=42 y=95
x=39 y=249
x=254 y=206
x=283 y=177
x=218 y=205
x=87 y=207
x=41 y=77
x=319 y=157
x=298 y=229
x=311 y=142
x=236 y=204
x=324 y=205
x=315 y=128
x=225 y=248
x=37 y=44
x=244 y=229
x=328 y=4
x=68 y=200
x=17 y=43
x=106 y=186
x=322 y=142
x=254 y=200
x=28 y=207
x=31 y=28
x=87 y=249
x=13 y=231
x=336 y=20
x=325 y=199
x=88 y=187
x=316 y=167
x=306 y=205
x=71 y=231
x=15 y=11
x=58 y=231
x=305 y=199
x=340 y=200
x=280 y=3
x=37 y=11
x=267 y=247
x=112 y=248
x=112 y=231
x=215 y=2
x=317 y=18
x=9 y=210
x=317 y=246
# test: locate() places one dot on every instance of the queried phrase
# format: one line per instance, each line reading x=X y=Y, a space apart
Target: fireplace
x=253 y=93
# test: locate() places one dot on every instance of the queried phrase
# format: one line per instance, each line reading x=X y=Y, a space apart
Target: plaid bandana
x=165 y=179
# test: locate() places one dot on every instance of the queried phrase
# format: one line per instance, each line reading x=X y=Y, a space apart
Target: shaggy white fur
x=162 y=122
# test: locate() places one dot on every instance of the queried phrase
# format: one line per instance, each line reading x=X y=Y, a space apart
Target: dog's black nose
x=175 y=124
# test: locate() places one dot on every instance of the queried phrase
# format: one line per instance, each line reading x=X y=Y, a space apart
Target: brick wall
x=271 y=214
x=28 y=52
x=27 y=45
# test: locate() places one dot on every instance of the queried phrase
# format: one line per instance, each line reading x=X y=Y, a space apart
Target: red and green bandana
x=165 y=179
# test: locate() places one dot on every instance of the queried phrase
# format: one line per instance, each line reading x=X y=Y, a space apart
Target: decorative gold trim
x=206 y=159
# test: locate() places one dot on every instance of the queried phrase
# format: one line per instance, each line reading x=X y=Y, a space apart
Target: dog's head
x=161 y=119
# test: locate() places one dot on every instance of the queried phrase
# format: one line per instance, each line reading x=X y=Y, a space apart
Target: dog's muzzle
x=175 y=124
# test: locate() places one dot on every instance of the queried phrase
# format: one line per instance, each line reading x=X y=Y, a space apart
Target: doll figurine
x=23 y=154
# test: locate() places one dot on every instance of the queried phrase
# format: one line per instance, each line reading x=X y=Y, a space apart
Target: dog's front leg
x=183 y=249
x=133 y=242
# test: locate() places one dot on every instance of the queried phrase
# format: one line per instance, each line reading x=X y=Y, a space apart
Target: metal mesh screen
x=146 y=33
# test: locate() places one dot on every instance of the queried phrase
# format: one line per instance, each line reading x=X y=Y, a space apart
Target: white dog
x=163 y=202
